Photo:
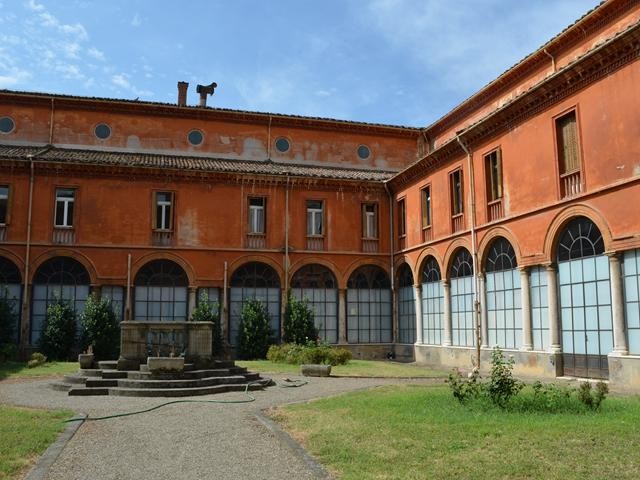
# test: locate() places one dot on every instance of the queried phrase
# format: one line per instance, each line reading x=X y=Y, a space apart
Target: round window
x=282 y=144
x=102 y=131
x=7 y=125
x=364 y=152
x=195 y=137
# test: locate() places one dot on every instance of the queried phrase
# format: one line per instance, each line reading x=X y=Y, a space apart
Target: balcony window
x=65 y=199
x=315 y=218
x=164 y=211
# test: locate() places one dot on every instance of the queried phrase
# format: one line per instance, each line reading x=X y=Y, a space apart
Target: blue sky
x=403 y=62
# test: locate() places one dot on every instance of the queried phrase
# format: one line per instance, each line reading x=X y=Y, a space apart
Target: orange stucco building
x=510 y=221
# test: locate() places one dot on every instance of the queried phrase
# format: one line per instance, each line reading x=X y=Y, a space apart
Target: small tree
x=59 y=333
x=255 y=334
x=100 y=328
x=8 y=320
x=298 y=322
x=205 y=312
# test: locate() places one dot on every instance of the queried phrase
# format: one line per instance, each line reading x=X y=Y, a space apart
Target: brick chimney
x=205 y=90
x=182 y=93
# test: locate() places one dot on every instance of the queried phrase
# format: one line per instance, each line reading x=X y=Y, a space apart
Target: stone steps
x=108 y=365
x=181 y=392
x=101 y=382
x=76 y=379
x=83 y=391
x=90 y=372
x=111 y=374
x=169 y=384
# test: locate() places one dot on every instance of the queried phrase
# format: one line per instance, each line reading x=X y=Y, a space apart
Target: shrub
x=296 y=354
x=59 y=333
x=100 y=328
x=36 y=360
x=502 y=386
x=298 y=322
x=590 y=398
x=205 y=312
x=463 y=389
x=254 y=332
x=8 y=320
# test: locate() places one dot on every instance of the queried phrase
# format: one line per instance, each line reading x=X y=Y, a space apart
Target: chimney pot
x=205 y=90
x=182 y=93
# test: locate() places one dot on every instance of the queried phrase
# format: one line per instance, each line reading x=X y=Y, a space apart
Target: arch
x=238 y=263
x=139 y=263
x=363 y=262
x=63 y=252
x=430 y=270
x=406 y=300
x=559 y=222
x=500 y=256
x=9 y=272
x=452 y=250
x=490 y=237
x=369 y=277
x=300 y=264
x=61 y=271
x=580 y=238
x=313 y=275
x=13 y=258
x=461 y=264
x=398 y=264
x=161 y=273
x=424 y=256
x=255 y=274
x=404 y=276
x=11 y=291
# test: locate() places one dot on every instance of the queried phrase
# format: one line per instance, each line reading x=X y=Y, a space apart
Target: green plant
x=59 y=333
x=206 y=312
x=100 y=328
x=298 y=322
x=592 y=398
x=36 y=360
x=464 y=389
x=8 y=320
x=297 y=354
x=254 y=332
x=501 y=386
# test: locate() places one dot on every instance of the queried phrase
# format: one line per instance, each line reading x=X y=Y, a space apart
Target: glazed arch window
x=282 y=144
x=7 y=125
x=102 y=131
x=65 y=200
x=363 y=152
x=4 y=205
x=163 y=210
x=195 y=137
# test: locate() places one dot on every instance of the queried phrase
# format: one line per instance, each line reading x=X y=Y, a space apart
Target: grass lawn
x=49 y=369
x=417 y=432
x=24 y=435
x=355 y=368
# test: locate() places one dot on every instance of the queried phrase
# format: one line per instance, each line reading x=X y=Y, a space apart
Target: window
x=425 y=203
x=364 y=152
x=195 y=137
x=164 y=207
x=102 y=131
x=369 y=220
x=402 y=218
x=257 y=215
x=282 y=144
x=567 y=138
x=4 y=204
x=7 y=125
x=456 y=193
x=314 y=217
x=493 y=171
x=65 y=199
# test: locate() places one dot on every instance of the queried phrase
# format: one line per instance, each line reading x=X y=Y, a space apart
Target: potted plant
x=86 y=359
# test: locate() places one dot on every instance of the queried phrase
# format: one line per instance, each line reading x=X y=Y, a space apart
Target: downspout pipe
x=474 y=250
x=553 y=60
x=391 y=257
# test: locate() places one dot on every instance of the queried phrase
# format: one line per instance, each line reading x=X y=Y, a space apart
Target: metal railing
x=64 y=236
x=162 y=238
x=256 y=240
x=571 y=184
x=369 y=245
x=457 y=222
x=495 y=210
x=427 y=235
x=315 y=243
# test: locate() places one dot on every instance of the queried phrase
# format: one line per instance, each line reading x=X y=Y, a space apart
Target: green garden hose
x=248 y=399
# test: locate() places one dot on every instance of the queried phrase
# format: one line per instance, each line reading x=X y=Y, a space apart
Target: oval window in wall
x=363 y=152
x=282 y=144
x=102 y=131
x=195 y=137
x=7 y=125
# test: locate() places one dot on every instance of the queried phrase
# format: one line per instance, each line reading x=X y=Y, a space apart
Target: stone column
x=482 y=298
x=525 y=303
x=554 y=318
x=191 y=299
x=620 y=346
x=342 y=316
x=417 y=291
x=446 y=288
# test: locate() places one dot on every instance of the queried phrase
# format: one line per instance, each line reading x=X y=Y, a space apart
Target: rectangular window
x=493 y=172
x=4 y=204
x=65 y=199
x=402 y=218
x=315 y=217
x=369 y=220
x=456 y=193
x=425 y=203
x=567 y=138
x=257 y=215
x=164 y=211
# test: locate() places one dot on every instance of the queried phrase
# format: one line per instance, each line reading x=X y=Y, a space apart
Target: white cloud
x=13 y=77
x=121 y=80
x=95 y=53
x=36 y=7
x=71 y=50
x=135 y=21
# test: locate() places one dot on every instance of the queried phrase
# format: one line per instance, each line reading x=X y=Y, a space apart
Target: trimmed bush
x=100 y=328
x=205 y=312
x=296 y=354
x=298 y=322
x=59 y=333
x=36 y=360
x=255 y=334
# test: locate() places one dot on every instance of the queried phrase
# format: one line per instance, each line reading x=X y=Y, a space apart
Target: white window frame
x=370 y=225
x=67 y=220
x=312 y=215
x=163 y=204
x=255 y=228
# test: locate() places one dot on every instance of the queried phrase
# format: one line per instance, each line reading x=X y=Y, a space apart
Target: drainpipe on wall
x=474 y=251
x=225 y=318
x=391 y=250
x=553 y=60
x=51 y=122
x=286 y=235
x=128 y=302
x=269 y=142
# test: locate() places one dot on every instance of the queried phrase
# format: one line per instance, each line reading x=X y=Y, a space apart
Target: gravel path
x=181 y=441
